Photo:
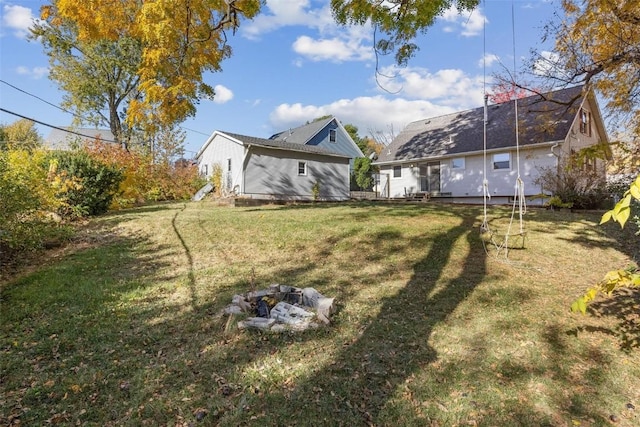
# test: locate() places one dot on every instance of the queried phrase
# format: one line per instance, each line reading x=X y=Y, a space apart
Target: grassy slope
x=124 y=329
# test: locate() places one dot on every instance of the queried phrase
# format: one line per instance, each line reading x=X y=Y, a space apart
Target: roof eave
x=469 y=153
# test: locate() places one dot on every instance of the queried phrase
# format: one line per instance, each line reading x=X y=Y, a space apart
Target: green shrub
x=95 y=184
x=363 y=173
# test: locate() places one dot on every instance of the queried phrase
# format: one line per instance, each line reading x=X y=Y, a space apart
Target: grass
x=123 y=327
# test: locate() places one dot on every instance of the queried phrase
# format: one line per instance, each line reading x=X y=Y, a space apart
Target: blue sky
x=292 y=64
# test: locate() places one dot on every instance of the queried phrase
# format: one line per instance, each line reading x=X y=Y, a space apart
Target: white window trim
x=493 y=162
x=301 y=163
x=335 y=136
x=464 y=163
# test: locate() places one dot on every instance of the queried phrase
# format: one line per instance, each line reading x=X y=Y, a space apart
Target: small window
x=302 y=168
x=332 y=135
x=228 y=165
x=585 y=122
x=205 y=170
x=502 y=161
x=397 y=171
x=457 y=163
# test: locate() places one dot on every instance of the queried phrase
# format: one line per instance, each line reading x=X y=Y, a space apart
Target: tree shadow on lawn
x=63 y=324
x=624 y=308
x=361 y=383
x=357 y=384
x=154 y=363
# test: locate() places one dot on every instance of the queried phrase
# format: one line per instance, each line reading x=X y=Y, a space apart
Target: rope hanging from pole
x=519 y=202
x=486 y=195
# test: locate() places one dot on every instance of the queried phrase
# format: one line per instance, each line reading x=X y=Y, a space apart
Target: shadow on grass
x=361 y=378
x=624 y=307
x=84 y=353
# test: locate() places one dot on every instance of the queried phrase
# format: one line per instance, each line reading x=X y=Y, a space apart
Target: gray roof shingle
x=302 y=134
x=539 y=120
x=63 y=138
x=282 y=145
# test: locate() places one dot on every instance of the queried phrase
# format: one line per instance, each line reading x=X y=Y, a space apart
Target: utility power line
x=41 y=99
x=71 y=112
x=53 y=126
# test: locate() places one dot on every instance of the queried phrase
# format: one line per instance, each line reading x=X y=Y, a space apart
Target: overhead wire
x=53 y=126
x=63 y=129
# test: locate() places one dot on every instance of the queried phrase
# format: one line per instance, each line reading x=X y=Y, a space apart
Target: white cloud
x=282 y=13
x=18 y=19
x=329 y=41
x=223 y=94
x=448 y=87
x=468 y=23
x=488 y=60
x=370 y=114
x=418 y=94
x=548 y=64
x=35 y=72
x=333 y=49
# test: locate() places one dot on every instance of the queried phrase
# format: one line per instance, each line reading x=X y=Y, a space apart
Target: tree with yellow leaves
x=178 y=40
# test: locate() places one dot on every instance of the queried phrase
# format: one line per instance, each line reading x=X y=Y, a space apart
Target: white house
x=446 y=156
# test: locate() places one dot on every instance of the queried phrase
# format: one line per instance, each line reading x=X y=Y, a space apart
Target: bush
x=581 y=188
x=28 y=199
x=143 y=180
x=89 y=185
x=363 y=173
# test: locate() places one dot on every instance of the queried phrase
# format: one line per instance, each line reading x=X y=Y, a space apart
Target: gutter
x=467 y=153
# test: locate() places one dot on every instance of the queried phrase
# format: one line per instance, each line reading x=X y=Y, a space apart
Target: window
x=501 y=161
x=457 y=163
x=302 y=168
x=332 y=135
x=205 y=170
x=585 y=122
x=228 y=165
x=397 y=171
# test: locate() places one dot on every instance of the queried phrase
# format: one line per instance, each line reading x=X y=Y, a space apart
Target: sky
x=293 y=63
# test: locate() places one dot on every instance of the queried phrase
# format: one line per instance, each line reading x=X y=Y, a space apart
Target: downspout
x=553 y=147
x=244 y=168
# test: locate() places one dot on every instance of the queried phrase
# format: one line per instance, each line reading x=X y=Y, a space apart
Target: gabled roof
x=275 y=144
x=302 y=134
x=540 y=119
x=63 y=138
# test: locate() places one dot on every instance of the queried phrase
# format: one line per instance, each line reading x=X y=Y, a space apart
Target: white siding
x=408 y=182
x=468 y=182
x=219 y=149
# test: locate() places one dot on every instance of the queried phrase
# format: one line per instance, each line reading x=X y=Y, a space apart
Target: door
x=430 y=178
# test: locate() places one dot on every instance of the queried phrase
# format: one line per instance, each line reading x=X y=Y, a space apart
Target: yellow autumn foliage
x=180 y=39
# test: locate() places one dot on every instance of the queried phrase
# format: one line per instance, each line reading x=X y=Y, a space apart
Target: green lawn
x=123 y=326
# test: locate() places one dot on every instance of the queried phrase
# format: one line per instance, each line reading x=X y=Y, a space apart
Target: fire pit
x=280 y=308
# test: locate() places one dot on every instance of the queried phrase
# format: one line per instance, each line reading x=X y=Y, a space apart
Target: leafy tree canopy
x=21 y=134
x=399 y=21
x=179 y=40
x=597 y=43
x=98 y=77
